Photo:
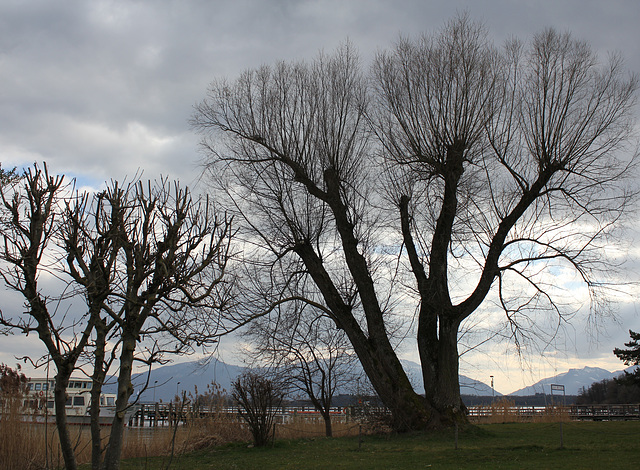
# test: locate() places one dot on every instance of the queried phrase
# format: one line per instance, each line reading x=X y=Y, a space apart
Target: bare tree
x=148 y=262
x=173 y=253
x=258 y=398
x=90 y=238
x=28 y=231
x=311 y=355
x=492 y=162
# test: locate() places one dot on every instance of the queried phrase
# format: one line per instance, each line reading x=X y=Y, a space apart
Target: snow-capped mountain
x=573 y=380
x=164 y=382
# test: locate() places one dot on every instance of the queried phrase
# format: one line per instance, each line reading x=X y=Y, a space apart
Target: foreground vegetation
x=223 y=443
x=495 y=446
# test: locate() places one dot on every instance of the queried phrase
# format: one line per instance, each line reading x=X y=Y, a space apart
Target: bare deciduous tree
x=311 y=355
x=173 y=253
x=461 y=157
x=258 y=398
x=27 y=232
x=148 y=262
x=89 y=236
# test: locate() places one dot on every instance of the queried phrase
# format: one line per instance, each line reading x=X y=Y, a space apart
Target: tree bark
x=96 y=390
x=328 y=430
x=125 y=390
x=439 y=358
x=60 y=397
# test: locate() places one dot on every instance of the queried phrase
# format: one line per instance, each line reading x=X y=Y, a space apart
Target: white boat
x=39 y=403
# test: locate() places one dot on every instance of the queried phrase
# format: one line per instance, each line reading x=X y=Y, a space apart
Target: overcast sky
x=102 y=90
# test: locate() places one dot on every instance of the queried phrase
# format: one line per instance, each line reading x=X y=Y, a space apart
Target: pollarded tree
x=172 y=253
x=90 y=239
x=460 y=157
x=27 y=241
x=148 y=262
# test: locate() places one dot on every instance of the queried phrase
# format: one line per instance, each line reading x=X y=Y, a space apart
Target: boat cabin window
x=68 y=402
x=78 y=401
x=45 y=386
x=111 y=401
x=29 y=386
x=38 y=386
x=50 y=404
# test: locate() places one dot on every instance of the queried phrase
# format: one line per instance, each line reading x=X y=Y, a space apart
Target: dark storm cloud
x=103 y=89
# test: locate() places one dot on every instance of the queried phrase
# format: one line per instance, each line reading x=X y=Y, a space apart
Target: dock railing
x=169 y=414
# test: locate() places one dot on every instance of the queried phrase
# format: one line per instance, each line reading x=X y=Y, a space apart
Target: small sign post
x=559 y=388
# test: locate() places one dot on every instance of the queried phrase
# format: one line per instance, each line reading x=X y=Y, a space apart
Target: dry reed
x=303 y=427
x=505 y=411
x=26 y=445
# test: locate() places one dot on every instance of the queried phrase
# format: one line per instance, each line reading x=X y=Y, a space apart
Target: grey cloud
x=103 y=89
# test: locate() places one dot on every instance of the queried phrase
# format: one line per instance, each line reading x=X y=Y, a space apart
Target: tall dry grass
x=16 y=437
x=25 y=443
x=302 y=427
x=505 y=411
x=31 y=446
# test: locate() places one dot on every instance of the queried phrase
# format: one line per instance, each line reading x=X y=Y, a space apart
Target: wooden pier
x=570 y=412
x=170 y=414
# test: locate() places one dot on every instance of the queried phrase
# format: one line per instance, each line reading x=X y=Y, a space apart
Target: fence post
x=456 y=435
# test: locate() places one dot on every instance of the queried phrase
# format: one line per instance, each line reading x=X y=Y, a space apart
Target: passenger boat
x=39 y=403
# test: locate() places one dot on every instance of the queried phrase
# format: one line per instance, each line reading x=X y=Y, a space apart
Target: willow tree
x=449 y=154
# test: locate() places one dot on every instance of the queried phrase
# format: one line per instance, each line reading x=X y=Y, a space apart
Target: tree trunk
x=439 y=358
x=328 y=431
x=125 y=390
x=60 y=397
x=96 y=390
x=409 y=411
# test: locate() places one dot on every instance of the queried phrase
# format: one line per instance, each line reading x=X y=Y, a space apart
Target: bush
x=258 y=400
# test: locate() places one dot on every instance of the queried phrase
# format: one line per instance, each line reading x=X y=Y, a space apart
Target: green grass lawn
x=588 y=445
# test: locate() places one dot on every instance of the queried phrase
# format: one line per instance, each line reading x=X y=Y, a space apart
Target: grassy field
x=587 y=445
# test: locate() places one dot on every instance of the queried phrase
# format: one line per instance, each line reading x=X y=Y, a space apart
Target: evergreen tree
x=631 y=357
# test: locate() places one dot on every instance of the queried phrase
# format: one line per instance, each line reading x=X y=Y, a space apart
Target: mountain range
x=573 y=380
x=166 y=381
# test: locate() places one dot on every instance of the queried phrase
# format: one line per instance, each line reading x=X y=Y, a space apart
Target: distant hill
x=573 y=381
x=468 y=386
x=164 y=380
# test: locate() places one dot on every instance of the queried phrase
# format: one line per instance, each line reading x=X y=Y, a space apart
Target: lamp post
x=177 y=393
x=493 y=390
